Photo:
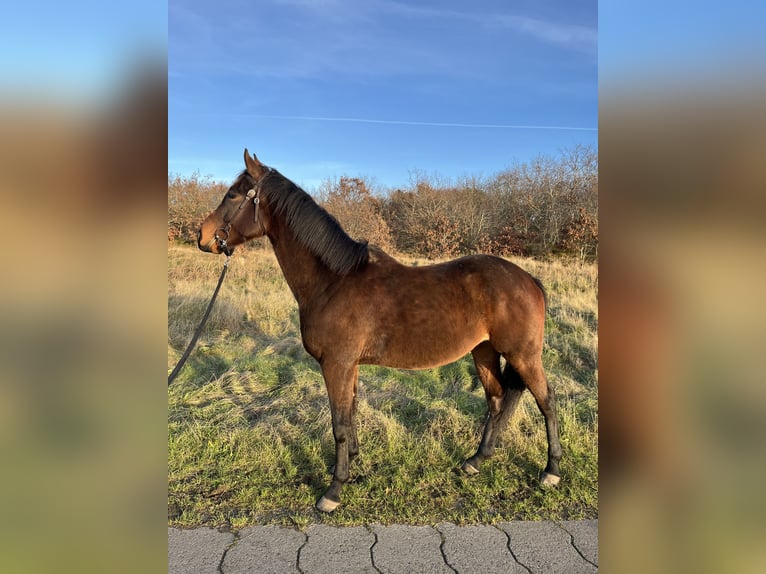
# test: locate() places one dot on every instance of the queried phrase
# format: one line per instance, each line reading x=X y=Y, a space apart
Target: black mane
x=313 y=227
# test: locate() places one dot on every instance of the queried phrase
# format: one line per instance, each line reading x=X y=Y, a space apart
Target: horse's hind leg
x=534 y=378
x=503 y=391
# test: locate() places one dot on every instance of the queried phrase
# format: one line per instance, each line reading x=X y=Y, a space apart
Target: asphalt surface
x=567 y=547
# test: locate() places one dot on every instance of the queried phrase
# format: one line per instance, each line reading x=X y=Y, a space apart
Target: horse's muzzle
x=215 y=240
x=207 y=247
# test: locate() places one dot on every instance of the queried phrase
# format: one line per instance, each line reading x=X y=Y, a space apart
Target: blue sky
x=380 y=88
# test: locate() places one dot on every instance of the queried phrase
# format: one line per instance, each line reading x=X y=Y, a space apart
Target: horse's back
x=468 y=282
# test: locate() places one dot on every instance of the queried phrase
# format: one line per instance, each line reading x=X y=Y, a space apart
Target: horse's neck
x=305 y=274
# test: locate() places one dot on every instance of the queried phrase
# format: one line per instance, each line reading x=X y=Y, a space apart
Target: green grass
x=250 y=438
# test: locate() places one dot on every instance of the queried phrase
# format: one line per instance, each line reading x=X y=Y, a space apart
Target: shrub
x=190 y=199
x=350 y=200
x=543 y=207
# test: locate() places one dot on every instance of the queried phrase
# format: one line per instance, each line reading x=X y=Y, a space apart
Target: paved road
x=567 y=547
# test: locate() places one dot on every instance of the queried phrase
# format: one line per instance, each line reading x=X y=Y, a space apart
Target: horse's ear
x=254 y=167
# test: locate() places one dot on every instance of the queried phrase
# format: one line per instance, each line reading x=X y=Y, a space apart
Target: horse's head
x=241 y=216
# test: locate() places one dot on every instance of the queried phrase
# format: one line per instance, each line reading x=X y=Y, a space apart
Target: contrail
x=415 y=123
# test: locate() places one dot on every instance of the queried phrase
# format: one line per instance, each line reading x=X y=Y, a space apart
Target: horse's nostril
x=199 y=240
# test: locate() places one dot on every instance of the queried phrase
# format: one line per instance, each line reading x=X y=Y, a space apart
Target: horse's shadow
x=453 y=384
x=207 y=361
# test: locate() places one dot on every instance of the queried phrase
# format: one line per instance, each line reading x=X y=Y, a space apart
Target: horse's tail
x=542 y=290
x=511 y=379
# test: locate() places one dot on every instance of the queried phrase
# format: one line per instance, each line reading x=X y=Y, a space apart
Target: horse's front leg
x=340 y=381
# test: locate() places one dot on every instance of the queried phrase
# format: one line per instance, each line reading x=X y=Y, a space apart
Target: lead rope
x=197 y=333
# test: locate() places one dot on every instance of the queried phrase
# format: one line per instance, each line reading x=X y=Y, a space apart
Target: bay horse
x=358 y=305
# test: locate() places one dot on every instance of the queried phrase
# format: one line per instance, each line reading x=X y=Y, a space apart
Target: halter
x=253 y=193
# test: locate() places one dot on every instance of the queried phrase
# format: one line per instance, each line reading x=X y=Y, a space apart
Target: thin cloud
x=562 y=34
x=551 y=32
x=421 y=123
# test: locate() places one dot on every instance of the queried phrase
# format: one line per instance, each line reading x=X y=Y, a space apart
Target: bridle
x=253 y=193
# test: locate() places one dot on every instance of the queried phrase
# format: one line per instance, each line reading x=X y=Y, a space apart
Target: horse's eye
x=231 y=195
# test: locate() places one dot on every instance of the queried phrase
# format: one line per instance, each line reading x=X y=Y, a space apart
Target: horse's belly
x=418 y=350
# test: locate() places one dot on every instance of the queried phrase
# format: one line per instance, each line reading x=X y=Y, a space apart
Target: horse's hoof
x=327 y=505
x=549 y=479
x=470 y=469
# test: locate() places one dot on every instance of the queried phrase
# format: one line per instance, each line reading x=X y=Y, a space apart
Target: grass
x=250 y=438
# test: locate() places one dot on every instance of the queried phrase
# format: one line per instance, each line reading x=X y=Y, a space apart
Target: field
x=250 y=438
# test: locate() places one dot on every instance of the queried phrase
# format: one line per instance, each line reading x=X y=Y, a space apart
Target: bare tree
x=190 y=199
x=352 y=202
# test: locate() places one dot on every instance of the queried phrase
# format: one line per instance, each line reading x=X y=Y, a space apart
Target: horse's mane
x=313 y=227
